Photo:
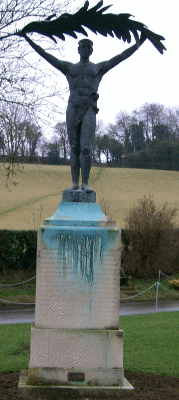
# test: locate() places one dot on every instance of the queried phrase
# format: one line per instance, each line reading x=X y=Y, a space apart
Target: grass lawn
x=14 y=347
x=150 y=344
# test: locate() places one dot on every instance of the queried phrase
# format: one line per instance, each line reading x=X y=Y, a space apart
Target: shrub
x=17 y=250
x=153 y=243
x=174 y=283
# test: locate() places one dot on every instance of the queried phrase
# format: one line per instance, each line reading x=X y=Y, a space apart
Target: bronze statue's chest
x=82 y=76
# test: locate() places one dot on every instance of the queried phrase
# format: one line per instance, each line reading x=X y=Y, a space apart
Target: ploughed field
x=39 y=191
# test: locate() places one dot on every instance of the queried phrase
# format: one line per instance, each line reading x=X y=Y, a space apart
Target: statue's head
x=85 y=48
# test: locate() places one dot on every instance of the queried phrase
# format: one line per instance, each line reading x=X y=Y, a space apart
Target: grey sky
x=147 y=76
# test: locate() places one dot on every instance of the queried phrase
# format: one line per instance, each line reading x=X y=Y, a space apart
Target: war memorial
x=76 y=346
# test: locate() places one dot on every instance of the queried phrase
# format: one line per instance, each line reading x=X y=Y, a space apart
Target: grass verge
x=15 y=347
x=150 y=344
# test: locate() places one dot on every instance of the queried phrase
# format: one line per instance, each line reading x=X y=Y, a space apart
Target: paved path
x=17 y=316
x=148 y=307
x=27 y=315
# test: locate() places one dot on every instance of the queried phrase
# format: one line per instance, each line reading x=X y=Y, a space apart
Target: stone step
x=128 y=290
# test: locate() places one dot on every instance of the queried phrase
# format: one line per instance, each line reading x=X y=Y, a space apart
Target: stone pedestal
x=76 y=343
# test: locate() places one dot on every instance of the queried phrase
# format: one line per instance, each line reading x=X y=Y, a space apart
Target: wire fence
x=139 y=294
x=156 y=284
x=166 y=276
x=176 y=294
x=19 y=304
x=21 y=283
x=17 y=284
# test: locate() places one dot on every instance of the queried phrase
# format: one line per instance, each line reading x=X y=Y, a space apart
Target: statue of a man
x=83 y=79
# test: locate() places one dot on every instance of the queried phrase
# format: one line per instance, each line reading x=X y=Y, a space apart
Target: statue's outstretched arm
x=59 y=64
x=107 y=65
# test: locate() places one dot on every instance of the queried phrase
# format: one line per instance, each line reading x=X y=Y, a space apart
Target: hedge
x=18 y=252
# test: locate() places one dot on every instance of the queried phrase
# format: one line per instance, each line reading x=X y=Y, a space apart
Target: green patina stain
x=113 y=231
x=80 y=251
x=113 y=234
x=35 y=380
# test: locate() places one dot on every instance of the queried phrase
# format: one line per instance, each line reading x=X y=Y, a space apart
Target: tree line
x=148 y=137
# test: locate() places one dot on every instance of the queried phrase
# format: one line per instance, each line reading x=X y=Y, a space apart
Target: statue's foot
x=86 y=188
x=73 y=187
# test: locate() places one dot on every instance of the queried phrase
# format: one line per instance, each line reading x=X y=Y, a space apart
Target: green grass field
x=150 y=344
x=39 y=191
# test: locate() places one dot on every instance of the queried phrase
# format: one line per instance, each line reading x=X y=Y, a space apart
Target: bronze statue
x=84 y=77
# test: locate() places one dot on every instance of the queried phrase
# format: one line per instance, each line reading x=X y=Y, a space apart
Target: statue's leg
x=88 y=127
x=74 y=140
x=75 y=166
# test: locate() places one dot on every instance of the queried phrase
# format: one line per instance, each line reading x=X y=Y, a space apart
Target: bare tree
x=172 y=121
x=12 y=129
x=18 y=136
x=23 y=79
x=43 y=146
x=12 y=137
x=61 y=138
x=151 y=115
x=33 y=135
x=97 y=145
x=124 y=121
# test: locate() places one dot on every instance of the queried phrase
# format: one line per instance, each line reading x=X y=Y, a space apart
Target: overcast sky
x=147 y=76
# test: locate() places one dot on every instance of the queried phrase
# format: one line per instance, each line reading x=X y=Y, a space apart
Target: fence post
x=159 y=276
x=157 y=294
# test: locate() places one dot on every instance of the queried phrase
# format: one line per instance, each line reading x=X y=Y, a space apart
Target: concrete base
x=65 y=356
x=95 y=377
x=52 y=392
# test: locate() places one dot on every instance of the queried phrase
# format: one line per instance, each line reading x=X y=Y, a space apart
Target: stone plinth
x=79 y=214
x=78 y=196
x=92 y=357
x=76 y=341
x=77 y=278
